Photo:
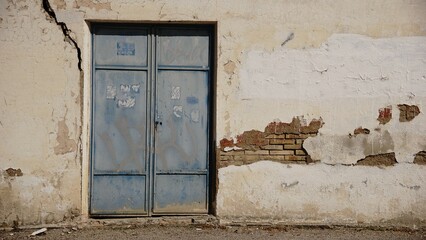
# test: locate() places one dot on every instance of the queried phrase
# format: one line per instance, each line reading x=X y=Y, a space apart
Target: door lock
x=157 y=123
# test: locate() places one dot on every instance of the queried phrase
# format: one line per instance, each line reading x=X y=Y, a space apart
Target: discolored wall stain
x=60 y=4
x=65 y=143
x=378 y=144
x=229 y=67
x=407 y=112
x=386 y=159
x=420 y=158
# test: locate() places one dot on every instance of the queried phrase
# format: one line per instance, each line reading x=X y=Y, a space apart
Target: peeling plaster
x=420 y=158
x=408 y=112
x=387 y=159
x=14 y=172
x=65 y=143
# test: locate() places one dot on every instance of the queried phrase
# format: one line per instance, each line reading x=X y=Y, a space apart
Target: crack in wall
x=65 y=30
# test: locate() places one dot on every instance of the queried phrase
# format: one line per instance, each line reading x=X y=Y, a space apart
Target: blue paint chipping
x=192 y=100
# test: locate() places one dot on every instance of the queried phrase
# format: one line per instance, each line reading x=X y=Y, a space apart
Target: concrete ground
x=210 y=232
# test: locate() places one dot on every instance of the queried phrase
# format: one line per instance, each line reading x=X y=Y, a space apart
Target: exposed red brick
x=280 y=142
x=313 y=126
x=420 y=158
x=407 y=112
x=226 y=143
x=385 y=115
x=252 y=139
x=296 y=127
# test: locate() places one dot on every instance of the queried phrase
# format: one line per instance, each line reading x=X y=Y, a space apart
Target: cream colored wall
x=40 y=118
x=373 y=53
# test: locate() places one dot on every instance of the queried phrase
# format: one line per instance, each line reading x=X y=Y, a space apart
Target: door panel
x=122 y=47
x=120 y=116
x=181 y=139
x=177 y=47
x=180 y=194
x=118 y=194
x=181 y=142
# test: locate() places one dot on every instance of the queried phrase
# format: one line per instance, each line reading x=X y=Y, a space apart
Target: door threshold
x=134 y=221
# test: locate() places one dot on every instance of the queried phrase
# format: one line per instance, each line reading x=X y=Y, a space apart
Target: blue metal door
x=181 y=139
x=150 y=120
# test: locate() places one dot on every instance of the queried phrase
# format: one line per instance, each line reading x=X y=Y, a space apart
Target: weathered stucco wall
x=40 y=161
x=348 y=63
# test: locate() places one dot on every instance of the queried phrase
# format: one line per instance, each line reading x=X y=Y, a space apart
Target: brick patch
x=280 y=142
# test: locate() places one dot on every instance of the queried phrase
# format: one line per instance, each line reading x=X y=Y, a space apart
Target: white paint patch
x=175 y=93
x=124 y=88
x=234 y=148
x=111 y=92
x=126 y=102
x=135 y=88
x=347 y=65
x=195 y=116
x=322 y=194
x=177 y=111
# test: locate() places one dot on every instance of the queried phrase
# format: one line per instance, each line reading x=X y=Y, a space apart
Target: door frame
x=87 y=112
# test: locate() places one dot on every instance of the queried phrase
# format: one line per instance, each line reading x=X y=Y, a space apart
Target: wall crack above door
x=65 y=30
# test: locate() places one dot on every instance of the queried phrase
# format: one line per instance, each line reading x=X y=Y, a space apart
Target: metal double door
x=150 y=120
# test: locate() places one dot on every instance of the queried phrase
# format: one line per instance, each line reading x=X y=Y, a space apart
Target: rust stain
x=361 y=130
x=90 y=4
x=407 y=112
x=385 y=115
x=420 y=158
x=65 y=143
x=14 y=172
x=386 y=159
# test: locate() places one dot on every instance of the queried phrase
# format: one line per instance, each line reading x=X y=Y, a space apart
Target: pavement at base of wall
x=205 y=232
